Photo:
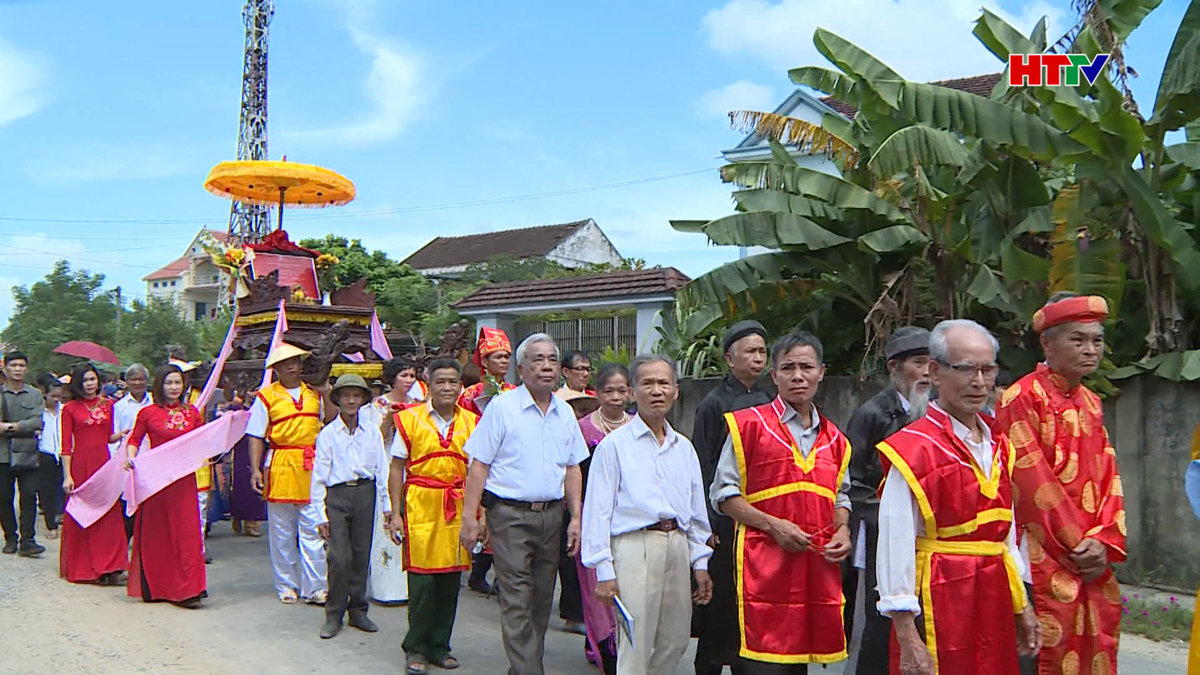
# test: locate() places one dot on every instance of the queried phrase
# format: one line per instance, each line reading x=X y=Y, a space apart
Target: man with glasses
x=525 y=455
x=947 y=541
x=1070 y=502
x=576 y=372
x=782 y=478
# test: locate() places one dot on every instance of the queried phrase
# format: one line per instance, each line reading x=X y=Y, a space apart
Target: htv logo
x=1027 y=69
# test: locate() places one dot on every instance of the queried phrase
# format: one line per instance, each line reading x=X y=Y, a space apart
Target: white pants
x=295 y=543
x=202 y=498
x=654 y=576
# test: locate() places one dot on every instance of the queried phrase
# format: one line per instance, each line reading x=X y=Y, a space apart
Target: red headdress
x=491 y=340
x=1084 y=309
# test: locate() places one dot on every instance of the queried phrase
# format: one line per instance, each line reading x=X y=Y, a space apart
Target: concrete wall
x=587 y=245
x=1150 y=424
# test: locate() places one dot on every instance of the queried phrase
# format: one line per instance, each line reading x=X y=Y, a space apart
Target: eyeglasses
x=580 y=369
x=987 y=370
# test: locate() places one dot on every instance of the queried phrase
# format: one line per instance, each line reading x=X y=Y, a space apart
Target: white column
x=648 y=318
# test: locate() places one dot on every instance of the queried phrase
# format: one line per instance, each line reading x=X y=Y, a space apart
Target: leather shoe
x=30 y=549
x=332 y=627
x=10 y=546
x=364 y=624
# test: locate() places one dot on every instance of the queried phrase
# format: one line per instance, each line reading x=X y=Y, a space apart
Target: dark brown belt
x=490 y=499
x=663 y=526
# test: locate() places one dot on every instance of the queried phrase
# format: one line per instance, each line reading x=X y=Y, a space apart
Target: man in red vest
x=782 y=477
x=947 y=545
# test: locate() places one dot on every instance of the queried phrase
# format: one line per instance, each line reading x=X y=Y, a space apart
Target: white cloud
x=110 y=162
x=396 y=85
x=22 y=84
x=923 y=40
x=741 y=95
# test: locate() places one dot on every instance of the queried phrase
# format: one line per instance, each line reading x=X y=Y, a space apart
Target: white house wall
x=587 y=245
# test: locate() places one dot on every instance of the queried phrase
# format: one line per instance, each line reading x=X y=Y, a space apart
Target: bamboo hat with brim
x=284 y=352
x=583 y=404
x=345 y=382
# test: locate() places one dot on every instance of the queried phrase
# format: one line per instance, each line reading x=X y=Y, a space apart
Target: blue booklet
x=624 y=620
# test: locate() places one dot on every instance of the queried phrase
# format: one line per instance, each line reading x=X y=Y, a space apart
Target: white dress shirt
x=50 y=438
x=900 y=523
x=728 y=480
x=345 y=454
x=633 y=482
x=528 y=450
x=399 y=448
x=260 y=418
x=125 y=412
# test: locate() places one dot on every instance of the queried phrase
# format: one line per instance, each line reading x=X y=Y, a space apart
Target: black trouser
x=480 y=564
x=716 y=624
x=49 y=492
x=1029 y=664
x=570 y=601
x=351 y=513
x=26 y=482
x=873 y=651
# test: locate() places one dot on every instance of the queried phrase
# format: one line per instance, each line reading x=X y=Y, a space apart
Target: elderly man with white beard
x=907 y=354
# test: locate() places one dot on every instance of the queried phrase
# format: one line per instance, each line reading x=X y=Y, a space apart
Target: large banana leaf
x=989 y=290
x=689 y=226
x=1178 y=100
x=917 y=144
x=710 y=296
x=1159 y=225
x=808 y=138
x=829 y=82
x=892 y=239
x=855 y=61
x=977 y=117
x=1124 y=16
x=778 y=200
x=1187 y=154
x=1079 y=264
x=808 y=182
x=1017 y=264
x=772 y=230
x=1001 y=38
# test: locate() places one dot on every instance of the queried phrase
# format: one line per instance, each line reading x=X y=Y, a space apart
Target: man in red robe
x=782 y=477
x=1069 y=499
x=947 y=543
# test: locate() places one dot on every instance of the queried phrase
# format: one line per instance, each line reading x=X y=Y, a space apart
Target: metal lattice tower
x=247 y=222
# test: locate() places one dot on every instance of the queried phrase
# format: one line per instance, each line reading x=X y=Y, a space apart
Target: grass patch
x=1155 y=620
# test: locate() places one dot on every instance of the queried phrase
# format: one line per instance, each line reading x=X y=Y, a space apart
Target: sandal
x=288 y=597
x=447 y=662
x=415 y=664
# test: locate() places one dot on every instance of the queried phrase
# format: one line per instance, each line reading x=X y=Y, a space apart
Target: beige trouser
x=654 y=576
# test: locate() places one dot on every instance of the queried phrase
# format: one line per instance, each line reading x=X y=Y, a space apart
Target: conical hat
x=284 y=352
x=183 y=366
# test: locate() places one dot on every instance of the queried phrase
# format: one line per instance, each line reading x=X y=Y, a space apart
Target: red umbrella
x=88 y=350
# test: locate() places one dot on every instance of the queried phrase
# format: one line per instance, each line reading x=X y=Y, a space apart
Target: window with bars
x=591 y=335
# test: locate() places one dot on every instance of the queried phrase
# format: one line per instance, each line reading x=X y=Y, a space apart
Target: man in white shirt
x=50 y=476
x=349 y=478
x=947 y=542
x=645 y=525
x=525 y=456
x=126 y=408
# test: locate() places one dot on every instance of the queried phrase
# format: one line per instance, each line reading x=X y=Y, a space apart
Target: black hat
x=907 y=341
x=740 y=330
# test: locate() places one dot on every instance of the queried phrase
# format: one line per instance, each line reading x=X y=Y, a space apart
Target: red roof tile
x=980 y=85
x=480 y=248
x=173 y=270
x=621 y=284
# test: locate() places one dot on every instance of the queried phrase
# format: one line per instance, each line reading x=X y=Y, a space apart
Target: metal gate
x=589 y=335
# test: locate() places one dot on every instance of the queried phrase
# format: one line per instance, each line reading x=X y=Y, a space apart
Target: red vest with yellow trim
x=292 y=428
x=966 y=581
x=789 y=604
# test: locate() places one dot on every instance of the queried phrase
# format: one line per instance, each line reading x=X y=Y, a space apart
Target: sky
x=451 y=118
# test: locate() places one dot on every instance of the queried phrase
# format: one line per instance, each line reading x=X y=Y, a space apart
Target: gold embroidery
x=1052 y=631
x=1070 y=420
x=1070 y=663
x=1010 y=394
x=1037 y=554
x=1112 y=591
x=1120 y=518
x=1079 y=620
x=1071 y=470
x=1065 y=588
x=1030 y=459
x=1021 y=435
x=1089 y=497
x=1101 y=664
x=1048 y=496
x=1117 y=489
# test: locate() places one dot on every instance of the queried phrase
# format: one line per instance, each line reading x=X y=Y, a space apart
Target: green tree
x=66 y=305
x=148 y=327
x=402 y=297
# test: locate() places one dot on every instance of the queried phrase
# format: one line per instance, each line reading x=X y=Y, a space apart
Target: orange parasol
x=283 y=183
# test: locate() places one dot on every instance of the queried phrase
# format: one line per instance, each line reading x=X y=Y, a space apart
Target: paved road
x=50 y=626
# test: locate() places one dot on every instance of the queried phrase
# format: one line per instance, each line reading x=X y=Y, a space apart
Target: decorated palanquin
x=967 y=581
x=790 y=605
x=1068 y=489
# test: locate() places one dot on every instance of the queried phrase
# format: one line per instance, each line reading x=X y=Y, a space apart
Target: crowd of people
x=973 y=525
